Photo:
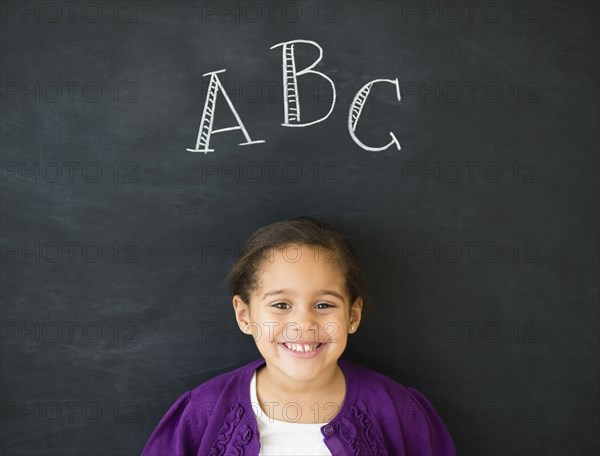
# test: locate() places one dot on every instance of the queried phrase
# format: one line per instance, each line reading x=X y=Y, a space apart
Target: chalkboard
x=455 y=143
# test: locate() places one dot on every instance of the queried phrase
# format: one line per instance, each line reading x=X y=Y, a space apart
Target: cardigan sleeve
x=175 y=434
x=428 y=435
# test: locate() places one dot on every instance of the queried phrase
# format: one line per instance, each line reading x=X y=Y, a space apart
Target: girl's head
x=298 y=281
x=287 y=235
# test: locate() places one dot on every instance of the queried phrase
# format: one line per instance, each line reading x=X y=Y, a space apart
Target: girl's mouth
x=302 y=350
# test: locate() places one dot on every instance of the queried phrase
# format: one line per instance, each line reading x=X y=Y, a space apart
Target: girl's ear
x=242 y=313
x=356 y=313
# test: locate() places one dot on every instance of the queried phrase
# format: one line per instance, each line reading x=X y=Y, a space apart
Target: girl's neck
x=275 y=384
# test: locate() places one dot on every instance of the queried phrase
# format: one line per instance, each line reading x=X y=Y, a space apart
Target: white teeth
x=301 y=348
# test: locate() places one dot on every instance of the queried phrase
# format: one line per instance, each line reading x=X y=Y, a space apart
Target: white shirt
x=283 y=437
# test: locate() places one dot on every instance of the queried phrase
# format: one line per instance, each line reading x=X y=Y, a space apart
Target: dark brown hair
x=242 y=277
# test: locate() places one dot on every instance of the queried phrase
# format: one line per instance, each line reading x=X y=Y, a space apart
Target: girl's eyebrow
x=321 y=293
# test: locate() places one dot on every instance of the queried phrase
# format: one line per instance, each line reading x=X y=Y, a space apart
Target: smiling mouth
x=301 y=348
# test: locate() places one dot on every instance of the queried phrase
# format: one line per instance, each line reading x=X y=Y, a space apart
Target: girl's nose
x=304 y=323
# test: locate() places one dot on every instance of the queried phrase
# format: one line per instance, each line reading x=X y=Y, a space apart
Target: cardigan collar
x=345 y=411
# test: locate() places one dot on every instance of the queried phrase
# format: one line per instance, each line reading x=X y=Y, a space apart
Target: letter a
x=356 y=109
x=290 y=83
x=206 y=123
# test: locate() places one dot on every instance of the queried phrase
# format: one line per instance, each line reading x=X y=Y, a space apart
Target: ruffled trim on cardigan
x=351 y=434
x=228 y=444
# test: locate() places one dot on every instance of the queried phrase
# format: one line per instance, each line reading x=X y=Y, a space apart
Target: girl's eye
x=324 y=304
x=277 y=304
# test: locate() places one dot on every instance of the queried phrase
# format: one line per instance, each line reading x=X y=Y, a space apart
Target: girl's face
x=300 y=298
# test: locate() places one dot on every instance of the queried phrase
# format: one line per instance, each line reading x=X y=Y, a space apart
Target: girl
x=299 y=291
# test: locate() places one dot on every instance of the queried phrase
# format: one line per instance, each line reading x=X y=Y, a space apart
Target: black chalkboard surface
x=456 y=144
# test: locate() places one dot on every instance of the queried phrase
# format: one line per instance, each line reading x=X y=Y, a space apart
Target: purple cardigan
x=378 y=417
